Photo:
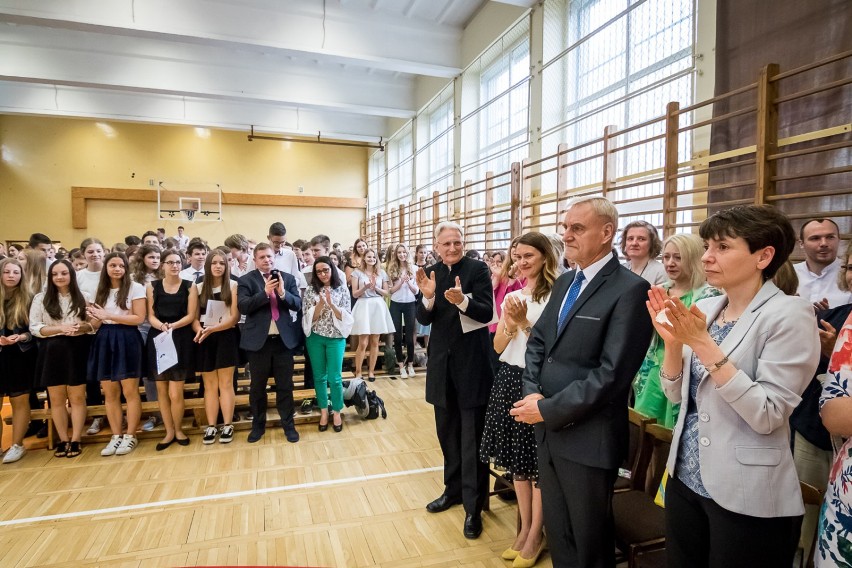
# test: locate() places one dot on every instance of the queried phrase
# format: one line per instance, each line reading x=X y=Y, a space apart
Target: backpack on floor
x=355 y=394
x=376 y=406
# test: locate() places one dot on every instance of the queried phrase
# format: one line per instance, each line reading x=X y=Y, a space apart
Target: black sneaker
x=209 y=435
x=307 y=406
x=226 y=434
x=291 y=434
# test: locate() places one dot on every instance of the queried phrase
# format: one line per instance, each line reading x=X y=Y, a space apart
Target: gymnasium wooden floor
x=351 y=499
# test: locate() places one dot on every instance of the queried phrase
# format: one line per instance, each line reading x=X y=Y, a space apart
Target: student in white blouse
x=403 y=306
x=58 y=317
x=115 y=360
x=88 y=280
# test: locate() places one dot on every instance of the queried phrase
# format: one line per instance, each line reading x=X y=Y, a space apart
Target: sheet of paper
x=469 y=324
x=215 y=313
x=166 y=352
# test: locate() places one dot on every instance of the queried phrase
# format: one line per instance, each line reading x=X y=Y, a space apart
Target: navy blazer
x=254 y=305
x=454 y=355
x=585 y=372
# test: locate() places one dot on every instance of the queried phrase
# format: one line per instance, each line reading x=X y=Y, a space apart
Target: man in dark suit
x=581 y=358
x=269 y=336
x=459 y=376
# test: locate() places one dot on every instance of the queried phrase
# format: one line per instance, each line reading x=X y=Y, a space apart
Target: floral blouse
x=325 y=324
x=834 y=537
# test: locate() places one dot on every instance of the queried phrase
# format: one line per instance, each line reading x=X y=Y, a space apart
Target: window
x=435 y=158
x=400 y=163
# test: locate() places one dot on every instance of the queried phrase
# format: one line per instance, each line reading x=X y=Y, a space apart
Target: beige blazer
x=743 y=427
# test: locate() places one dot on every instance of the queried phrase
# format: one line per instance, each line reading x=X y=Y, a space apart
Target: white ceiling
x=340 y=67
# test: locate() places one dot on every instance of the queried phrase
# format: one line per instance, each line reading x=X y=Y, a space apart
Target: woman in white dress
x=372 y=318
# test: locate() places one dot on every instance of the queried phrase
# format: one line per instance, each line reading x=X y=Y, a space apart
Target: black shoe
x=42 y=432
x=291 y=434
x=307 y=406
x=182 y=441
x=256 y=434
x=472 y=525
x=163 y=445
x=442 y=503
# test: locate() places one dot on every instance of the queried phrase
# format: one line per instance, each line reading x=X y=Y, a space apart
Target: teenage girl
x=218 y=341
x=116 y=357
x=58 y=317
x=172 y=307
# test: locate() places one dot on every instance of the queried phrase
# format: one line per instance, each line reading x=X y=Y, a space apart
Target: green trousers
x=326 y=355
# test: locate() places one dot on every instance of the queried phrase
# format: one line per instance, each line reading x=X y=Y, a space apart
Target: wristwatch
x=527 y=329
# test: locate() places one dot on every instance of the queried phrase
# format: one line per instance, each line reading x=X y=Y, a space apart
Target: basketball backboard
x=189 y=202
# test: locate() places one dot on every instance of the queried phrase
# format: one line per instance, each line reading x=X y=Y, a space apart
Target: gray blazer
x=744 y=428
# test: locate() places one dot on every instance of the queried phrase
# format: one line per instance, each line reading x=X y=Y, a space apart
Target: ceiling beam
x=289 y=27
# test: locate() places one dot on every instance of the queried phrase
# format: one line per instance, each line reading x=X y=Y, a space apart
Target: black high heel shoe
x=338 y=427
x=323 y=427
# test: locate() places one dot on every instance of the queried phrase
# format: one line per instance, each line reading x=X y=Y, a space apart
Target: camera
x=275 y=273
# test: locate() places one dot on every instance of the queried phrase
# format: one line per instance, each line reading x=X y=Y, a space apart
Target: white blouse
x=516 y=350
x=407 y=292
x=39 y=318
x=111 y=306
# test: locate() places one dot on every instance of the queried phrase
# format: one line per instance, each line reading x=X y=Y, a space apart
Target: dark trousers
x=272 y=360
x=460 y=434
x=94 y=396
x=398 y=311
x=700 y=533
x=577 y=511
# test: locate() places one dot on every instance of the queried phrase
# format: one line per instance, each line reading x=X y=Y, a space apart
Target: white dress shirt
x=815 y=287
x=285 y=261
x=183 y=241
x=192 y=274
x=589 y=273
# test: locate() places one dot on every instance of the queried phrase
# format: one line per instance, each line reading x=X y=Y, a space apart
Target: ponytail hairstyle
x=122 y=298
x=51 y=295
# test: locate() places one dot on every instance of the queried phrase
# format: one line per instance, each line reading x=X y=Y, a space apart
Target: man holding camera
x=269 y=336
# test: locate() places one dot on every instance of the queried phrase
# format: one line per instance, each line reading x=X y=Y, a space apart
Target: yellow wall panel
x=43 y=157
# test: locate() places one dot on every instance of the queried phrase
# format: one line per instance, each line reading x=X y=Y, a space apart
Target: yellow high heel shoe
x=521 y=562
x=510 y=554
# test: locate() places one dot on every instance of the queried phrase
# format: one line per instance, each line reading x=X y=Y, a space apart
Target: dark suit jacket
x=463 y=357
x=254 y=304
x=585 y=372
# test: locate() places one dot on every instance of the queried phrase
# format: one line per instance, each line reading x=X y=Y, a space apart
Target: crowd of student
x=735 y=362
x=83 y=325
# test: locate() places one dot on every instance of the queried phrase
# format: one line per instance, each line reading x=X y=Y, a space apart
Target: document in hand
x=215 y=313
x=166 y=352
x=470 y=324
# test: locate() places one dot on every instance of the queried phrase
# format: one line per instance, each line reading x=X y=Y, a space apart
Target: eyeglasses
x=172 y=262
x=324 y=271
x=846 y=267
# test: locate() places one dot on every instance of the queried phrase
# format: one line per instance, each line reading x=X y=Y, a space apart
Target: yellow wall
x=42 y=158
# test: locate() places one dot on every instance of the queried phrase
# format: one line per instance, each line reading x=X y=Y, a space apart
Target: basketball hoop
x=189 y=213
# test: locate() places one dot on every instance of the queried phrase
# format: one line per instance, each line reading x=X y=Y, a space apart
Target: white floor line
x=231 y=495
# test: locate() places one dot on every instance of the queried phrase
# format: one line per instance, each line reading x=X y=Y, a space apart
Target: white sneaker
x=112 y=446
x=14 y=453
x=411 y=372
x=402 y=373
x=150 y=424
x=128 y=442
x=96 y=426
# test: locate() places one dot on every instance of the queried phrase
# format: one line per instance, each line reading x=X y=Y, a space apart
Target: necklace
x=724 y=321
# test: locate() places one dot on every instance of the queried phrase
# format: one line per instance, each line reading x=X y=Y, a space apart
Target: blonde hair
x=35 y=272
x=393 y=266
x=691 y=249
x=841 y=274
x=363 y=266
x=17 y=301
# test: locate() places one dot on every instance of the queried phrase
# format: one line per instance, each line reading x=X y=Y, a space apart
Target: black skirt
x=17 y=370
x=116 y=353
x=219 y=351
x=62 y=360
x=507 y=444
x=185 y=347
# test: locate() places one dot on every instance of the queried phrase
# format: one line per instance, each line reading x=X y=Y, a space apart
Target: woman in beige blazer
x=738 y=364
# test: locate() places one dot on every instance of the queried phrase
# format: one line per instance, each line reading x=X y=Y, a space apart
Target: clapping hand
x=8 y=339
x=821 y=306
x=516 y=310
x=676 y=324
x=327 y=298
x=426 y=283
x=71 y=330
x=454 y=295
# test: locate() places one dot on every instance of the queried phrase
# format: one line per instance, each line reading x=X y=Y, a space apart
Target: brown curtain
x=753 y=33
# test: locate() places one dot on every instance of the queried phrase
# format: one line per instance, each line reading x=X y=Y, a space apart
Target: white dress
x=371 y=312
